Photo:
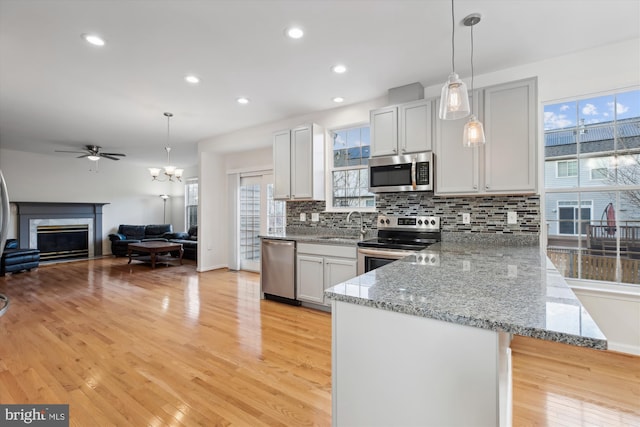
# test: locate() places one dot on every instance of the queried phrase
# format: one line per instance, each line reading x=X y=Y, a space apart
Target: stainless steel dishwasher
x=278 y=270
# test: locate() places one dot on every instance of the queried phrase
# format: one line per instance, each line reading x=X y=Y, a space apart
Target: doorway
x=258 y=214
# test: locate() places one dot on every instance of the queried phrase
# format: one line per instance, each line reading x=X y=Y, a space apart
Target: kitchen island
x=425 y=340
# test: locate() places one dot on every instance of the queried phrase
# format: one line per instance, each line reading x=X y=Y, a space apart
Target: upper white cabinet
x=298 y=163
x=401 y=129
x=282 y=164
x=507 y=163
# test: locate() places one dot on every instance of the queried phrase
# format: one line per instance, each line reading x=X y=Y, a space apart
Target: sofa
x=189 y=242
x=138 y=233
x=16 y=259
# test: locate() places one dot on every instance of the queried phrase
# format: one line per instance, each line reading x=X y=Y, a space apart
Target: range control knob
x=433 y=222
x=388 y=222
x=419 y=222
x=382 y=221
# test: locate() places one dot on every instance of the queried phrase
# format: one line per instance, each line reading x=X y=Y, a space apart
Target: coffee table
x=154 y=248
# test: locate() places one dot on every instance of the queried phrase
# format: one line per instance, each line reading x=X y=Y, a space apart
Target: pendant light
x=473 y=134
x=169 y=170
x=454 y=99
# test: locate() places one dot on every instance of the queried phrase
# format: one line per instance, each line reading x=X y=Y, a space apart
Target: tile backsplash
x=488 y=214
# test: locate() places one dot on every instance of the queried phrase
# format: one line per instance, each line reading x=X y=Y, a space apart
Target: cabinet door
x=310 y=278
x=301 y=163
x=456 y=166
x=338 y=270
x=415 y=130
x=510 y=130
x=384 y=131
x=282 y=165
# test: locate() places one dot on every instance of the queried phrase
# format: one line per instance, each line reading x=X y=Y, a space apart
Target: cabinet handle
x=395 y=150
x=486 y=186
x=475 y=187
x=404 y=150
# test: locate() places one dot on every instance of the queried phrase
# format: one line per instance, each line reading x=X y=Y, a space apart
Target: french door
x=258 y=214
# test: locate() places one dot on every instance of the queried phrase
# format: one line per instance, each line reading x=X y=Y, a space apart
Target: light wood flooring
x=130 y=346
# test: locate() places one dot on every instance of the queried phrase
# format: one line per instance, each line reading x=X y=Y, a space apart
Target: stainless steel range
x=398 y=237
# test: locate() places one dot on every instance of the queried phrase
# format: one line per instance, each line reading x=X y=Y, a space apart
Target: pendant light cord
x=472 y=67
x=453 y=45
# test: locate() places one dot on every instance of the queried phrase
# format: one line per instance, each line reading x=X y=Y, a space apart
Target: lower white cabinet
x=322 y=266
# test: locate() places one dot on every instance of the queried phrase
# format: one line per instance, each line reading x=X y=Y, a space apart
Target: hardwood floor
x=130 y=346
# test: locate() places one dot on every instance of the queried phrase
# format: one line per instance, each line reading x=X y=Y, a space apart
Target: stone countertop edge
x=387 y=287
x=314 y=238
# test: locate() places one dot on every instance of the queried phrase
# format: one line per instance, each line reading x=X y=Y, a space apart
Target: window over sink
x=349 y=173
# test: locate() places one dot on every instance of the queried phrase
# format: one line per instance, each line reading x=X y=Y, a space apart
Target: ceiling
x=57 y=92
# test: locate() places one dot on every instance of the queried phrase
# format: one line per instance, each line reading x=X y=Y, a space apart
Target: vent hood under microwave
x=409 y=172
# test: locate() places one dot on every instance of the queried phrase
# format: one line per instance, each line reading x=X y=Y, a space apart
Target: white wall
x=127 y=188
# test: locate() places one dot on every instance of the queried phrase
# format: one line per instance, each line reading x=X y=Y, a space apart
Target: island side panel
x=396 y=369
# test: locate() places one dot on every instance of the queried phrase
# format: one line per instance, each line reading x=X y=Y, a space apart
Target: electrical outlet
x=315 y=217
x=512 y=271
x=466 y=218
x=303 y=217
x=466 y=265
x=512 y=217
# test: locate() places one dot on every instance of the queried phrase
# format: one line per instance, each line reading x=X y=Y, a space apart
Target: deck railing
x=580 y=264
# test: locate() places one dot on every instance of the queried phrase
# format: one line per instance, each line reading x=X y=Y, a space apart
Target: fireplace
x=61 y=230
x=63 y=241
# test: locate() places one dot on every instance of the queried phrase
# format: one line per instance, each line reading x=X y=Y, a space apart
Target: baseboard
x=201 y=269
x=624 y=348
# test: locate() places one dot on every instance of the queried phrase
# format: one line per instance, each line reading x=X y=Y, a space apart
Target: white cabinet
x=298 y=163
x=507 y=163
x=401 y=129
x=310 y=272
x=282 y=164
x=322 y=266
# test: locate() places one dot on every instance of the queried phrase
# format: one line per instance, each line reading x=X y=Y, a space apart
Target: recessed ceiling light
x=338 y=99
x=339 y=69
x=192 y=79
x=242 y=100
x=295 y=32
x=93 y=39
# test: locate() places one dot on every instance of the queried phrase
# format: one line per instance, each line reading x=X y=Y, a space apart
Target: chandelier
x=170 y=171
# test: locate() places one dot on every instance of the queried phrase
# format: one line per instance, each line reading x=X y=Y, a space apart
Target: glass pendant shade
x=473 y=134
x=454 y=99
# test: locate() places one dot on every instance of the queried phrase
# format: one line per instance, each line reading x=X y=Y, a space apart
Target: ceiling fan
x=92 y=152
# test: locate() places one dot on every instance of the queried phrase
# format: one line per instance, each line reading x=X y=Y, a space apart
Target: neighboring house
x=603 y=156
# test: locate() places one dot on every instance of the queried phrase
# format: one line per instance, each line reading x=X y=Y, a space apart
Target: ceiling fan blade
x=113 y=154
x=64 y=151
x=105 y=155
x=83 y=156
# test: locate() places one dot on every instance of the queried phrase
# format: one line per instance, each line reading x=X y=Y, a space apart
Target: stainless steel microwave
x=409 y=172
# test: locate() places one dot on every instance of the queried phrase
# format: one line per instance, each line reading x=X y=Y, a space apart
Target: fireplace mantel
x=27 y=211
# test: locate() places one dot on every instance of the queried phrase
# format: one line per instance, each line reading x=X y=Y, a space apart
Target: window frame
x=588 y=187
x=330 y=169
x=567 y=162
x=189 y=182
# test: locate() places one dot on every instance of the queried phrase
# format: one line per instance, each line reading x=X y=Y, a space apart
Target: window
x=569 y=216
x=567 y=168
x=350 y=150
x=593 y=219
x=276 y=213
x=599 y=174
x=191 y=202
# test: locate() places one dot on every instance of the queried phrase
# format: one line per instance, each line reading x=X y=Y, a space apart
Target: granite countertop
x=314 y=238
x=501 y=288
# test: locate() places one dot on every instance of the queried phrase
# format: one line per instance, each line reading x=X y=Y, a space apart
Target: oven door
x=370 y=258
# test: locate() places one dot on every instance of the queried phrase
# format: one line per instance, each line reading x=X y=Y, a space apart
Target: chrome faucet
x=362 y=229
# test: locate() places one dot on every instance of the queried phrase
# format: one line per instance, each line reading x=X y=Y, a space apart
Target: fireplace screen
x=63 y=241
